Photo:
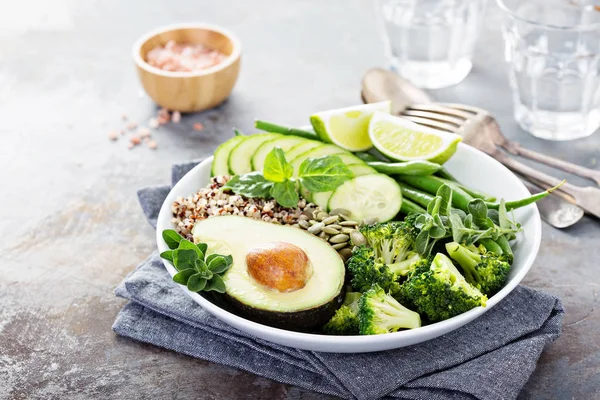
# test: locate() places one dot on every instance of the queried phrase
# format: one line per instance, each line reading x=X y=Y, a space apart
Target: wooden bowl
x=189 y=91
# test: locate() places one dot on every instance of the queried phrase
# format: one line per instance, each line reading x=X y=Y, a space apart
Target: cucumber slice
x=322 y=198
x=368 y=196
x=221 y=158
x=239 y=161
x=301 y=148
x=351 y=159
x=322 y=150
x=284 y=143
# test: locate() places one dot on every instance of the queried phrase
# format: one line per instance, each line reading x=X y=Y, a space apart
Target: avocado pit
x=279 y=266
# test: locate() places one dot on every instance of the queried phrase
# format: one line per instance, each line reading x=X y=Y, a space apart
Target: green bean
x=367 y=157
x=492 y=246
x=431 y=184
x=408 y=207
x=406 y=168
x=415 y=195
x=443 y=173
x=474 y=193
x=284 y=130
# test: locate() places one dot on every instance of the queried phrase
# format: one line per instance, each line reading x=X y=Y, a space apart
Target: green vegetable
x=406 y=168
x=438 y=291
x=195 y=270
x=237 y=132
x=415 y=195
x=321 y=174
x=366 y=271
x=284 y=130
x=379 y=312
x=253 y=184
x=276 y=167
x=345 y=319
x=488 y=272
x=392 y=242
x=408 y=206
x=449 y=178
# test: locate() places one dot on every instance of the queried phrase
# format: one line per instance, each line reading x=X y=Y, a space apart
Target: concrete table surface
x=71 y=227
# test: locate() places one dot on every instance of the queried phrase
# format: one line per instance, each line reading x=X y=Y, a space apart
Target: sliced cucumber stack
x=220 y=164
x=240 y=158
x=322 y=198
x=368 y=196
x=285 y=143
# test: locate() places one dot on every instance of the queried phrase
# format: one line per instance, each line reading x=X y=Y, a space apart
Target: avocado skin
x=301 y=321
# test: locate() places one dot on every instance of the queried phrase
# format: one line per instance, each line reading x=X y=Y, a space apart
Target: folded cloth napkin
x=489 y=358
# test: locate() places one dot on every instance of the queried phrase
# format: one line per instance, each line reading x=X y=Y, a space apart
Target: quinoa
x=213 y=201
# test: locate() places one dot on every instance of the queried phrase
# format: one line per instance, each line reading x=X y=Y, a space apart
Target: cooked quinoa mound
x=212 y=201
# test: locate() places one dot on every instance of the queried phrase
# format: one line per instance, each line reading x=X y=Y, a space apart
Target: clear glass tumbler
x=431 y=42
x=553 y=53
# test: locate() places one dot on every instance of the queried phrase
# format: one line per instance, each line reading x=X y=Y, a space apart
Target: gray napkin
x=490 y=358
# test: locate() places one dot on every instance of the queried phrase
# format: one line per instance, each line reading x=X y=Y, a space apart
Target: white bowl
x=468 y=165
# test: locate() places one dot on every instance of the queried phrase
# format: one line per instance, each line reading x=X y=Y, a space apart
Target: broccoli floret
x=438 y=291
x=392 y=241
x=403 y=268
x=378 y=312
x=345 y=319
x=486 y=271
x=366 y=271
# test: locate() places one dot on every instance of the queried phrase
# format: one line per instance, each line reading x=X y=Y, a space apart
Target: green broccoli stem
x=407 y=168
x=461 y=199
x=409 y=206
x=284 y=130
x=467 y=260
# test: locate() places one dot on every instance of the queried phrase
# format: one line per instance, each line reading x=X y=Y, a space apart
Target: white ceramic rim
x=235 y=54
x=372 y=342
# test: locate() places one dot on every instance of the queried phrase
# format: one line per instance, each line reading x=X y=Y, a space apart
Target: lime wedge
x=403 y=140
x=348 y=127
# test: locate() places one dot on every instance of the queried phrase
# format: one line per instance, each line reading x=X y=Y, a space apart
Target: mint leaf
x=285 y=194
x=323 y=174
x=171 y=238
x=216 y=284
x=250 y=185
x=196 y=283
x=182 y=276
x=276 y=168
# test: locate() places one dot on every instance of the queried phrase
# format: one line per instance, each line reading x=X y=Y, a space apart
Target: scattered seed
x=348 y=223
x=339 y=246
x=341 y=238
x=152 y=144
x=112 y=135
x=357 y=238
x=346 y=253
x=316 y=228
x=347 y=230
x=176 y=117
x=330 y=231
x=340 y=211
x=321 y=215
x=304 y=224
x=371 y=221
x=331 y=220
x=323 y=235
x=303 y=217
x=198 y=126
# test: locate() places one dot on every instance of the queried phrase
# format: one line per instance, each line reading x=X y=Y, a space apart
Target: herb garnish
x=321 y=174
x=195 y=270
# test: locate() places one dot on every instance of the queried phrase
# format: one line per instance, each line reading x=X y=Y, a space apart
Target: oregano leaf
x=182 y=276
x=215 y=284
x=196 y=283
x=171 y=238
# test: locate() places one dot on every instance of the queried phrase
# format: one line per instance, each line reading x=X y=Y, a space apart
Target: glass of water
x=430 y=42
x=553 y=53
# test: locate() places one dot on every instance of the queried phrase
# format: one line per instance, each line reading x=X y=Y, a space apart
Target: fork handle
x=588 y=173
x=588 y=198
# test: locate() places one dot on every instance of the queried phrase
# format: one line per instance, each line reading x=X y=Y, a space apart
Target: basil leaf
x=167 y=255
x=285 y=194
x=184 y=259
x=182 y=276
x=323 y=174
x=171 y=238
x=196 y=283
x=218 y=265
x=276 y=168
x=250 y=185
x=216 y=284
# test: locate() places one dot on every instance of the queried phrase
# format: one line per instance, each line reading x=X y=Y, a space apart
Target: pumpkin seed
x=371 y=221
x=323 y=235
x=331 y=220
x=346 y=253
x=341 y=238
x=349 y=223
x=347 y=230
x=330 y=231
x=335 y=226
x=321 y=215
x=339 y=246
x=304 y=224
x=316 y=228
x=340 y=211
x=357 y=238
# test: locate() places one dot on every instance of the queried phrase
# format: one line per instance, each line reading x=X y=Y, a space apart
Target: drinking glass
x=430 y=42
x=553 y=51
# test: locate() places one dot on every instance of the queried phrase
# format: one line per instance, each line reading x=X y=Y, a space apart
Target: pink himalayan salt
x=184 y=57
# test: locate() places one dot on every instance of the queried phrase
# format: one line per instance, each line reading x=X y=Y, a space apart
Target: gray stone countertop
x=71 y=226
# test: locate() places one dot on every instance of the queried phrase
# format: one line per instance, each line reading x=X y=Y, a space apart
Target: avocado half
x=301 y=310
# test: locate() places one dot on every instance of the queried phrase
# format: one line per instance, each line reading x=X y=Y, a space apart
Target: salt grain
x=131 y=126
x=176 y=117
x=144 y=132
x=153 y=123
x=152 y=144
x=112 y=135
x=135 y=140
x=198 y=126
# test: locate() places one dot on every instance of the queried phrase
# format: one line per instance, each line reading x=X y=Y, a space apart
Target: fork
x=480 y=130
